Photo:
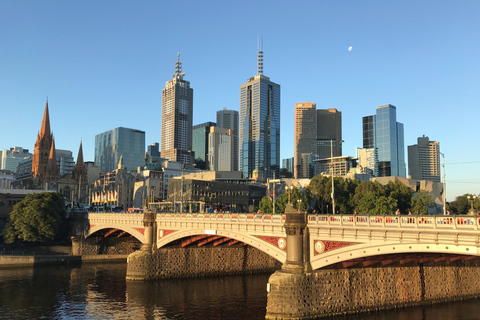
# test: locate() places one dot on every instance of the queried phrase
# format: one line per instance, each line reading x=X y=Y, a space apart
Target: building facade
x=386 y=135
x=177 y=116
x=305 y=133
x=424 y=160
x=9 y=159
x=228 y=119
x=65 y=161
x=220 y=149
x=259 y=136
x=111 y=145
x=329 y=133
x=200 y=144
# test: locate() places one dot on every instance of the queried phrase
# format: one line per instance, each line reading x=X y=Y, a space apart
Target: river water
x=99 y=291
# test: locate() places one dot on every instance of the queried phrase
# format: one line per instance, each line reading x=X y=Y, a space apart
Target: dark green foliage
x=421 y=202
x=266 y=206
x=461 y=204
x=36 y=218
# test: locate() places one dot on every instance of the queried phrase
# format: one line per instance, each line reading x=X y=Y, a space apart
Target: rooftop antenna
x=178 y=68
x=260 y=56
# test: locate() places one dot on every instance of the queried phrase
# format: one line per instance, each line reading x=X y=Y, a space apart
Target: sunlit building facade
x=177 y=117
x=260 y=125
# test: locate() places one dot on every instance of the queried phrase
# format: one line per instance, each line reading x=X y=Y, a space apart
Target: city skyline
x=104 y=66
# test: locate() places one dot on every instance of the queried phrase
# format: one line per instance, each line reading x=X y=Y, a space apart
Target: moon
x=350 y=48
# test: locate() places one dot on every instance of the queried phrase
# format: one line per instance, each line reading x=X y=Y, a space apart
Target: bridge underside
x=400 y=260
x=204 y=240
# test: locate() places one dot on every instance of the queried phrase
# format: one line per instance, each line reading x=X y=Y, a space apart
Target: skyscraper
x=177 y=115
x=388 y=140
x=329 y=133
x=228 y=119
x=200 y=134
x=153 y=150
x=305 y=133
x=220 y=152
x=111 y=145
x=318 y=134
x=424 y=160
x=260 y=125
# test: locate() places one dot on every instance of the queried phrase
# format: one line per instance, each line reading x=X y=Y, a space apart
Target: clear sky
x=103 y=65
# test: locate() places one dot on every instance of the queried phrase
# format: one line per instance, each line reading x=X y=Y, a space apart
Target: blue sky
x=103 y=65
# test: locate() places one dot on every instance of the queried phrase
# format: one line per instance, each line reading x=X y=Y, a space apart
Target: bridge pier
x=149 y=218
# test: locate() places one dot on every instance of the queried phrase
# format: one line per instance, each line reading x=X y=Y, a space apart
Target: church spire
x=80 y=164
x=52 y=158
x=45 y=129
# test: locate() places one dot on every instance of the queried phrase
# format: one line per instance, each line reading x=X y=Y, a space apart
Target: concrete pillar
x=298 y=255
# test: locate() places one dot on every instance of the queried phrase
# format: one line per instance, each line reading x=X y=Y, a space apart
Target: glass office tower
x=112 y=144
x=200 y=144
x=388 y=140
x=260 y=125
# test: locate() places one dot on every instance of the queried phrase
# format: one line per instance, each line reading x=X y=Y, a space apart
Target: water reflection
x=99 y=291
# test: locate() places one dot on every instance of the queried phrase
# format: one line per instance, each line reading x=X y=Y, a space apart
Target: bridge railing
x=425 y=222
x=433 y=222
x=230 y=217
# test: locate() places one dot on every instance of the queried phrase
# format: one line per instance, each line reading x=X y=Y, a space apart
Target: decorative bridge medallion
x=276 y=241
x=322 y=246
x=164 y=233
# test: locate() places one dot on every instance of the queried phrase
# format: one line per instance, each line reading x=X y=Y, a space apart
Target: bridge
x=347 y=240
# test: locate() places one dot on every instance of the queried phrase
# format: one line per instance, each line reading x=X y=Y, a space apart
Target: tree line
x=351 y=195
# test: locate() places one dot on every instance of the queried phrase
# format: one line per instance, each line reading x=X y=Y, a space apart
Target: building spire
x=260 y=56
x=80 y=164
x=45 y=129
x=178 y=68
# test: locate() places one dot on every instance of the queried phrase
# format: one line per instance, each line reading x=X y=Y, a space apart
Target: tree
x=373 y=203
x=266 y=205
x=295 y=195
x=361 y=190
x=421 y=203
x=36 y=218
x=400 y=192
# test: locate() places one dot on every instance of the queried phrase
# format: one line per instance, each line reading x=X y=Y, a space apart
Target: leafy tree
x=295 y=195
x=421 y=203
x=361 y=191
x=462 y=205
x=266 y=205
x=373 y=203
x=400 y=192
x=36 y=218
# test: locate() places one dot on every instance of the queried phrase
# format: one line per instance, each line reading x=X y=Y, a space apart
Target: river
x=99 y=291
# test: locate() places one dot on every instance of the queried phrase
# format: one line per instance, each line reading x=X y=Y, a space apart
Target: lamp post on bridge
x=471 y=199
x=298 y=256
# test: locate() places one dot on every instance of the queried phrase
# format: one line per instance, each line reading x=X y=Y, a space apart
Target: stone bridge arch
x=366 y=250
x=137 y=233
x=257 y=242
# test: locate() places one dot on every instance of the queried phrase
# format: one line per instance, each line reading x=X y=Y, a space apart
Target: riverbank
x=11 y=261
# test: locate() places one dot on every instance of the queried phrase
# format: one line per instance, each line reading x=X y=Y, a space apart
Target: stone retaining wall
x=198 y=262
x=325 y=293
x=100 y=245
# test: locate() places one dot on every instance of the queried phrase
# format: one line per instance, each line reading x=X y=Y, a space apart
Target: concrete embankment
x=325 y=293
x=9 y=261
x=198 y=262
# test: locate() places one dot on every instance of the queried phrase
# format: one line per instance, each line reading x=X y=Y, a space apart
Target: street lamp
x=471 y=199
x=444 y=187
x=333 y=184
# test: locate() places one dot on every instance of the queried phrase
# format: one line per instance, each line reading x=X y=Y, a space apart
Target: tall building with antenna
x=177 y=116
x=259 y=137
